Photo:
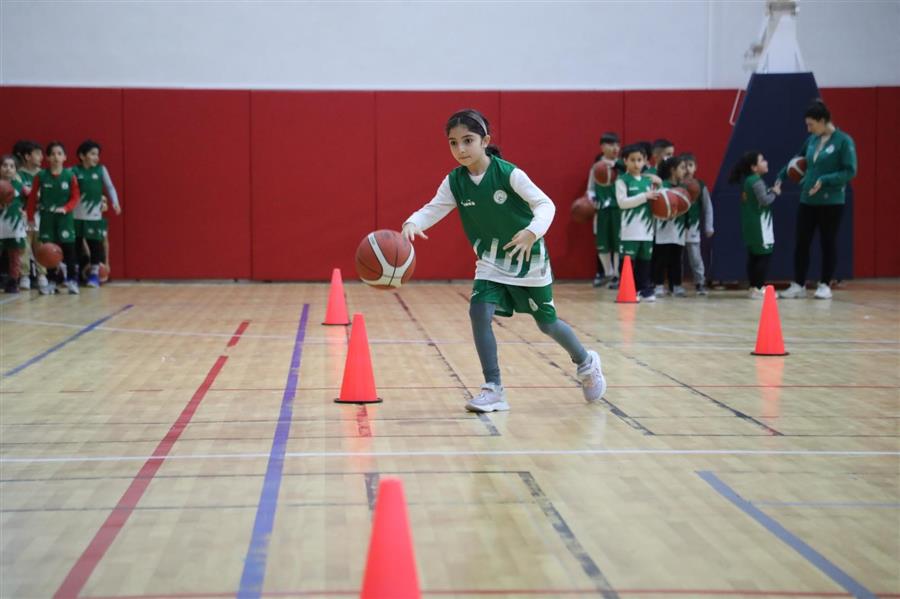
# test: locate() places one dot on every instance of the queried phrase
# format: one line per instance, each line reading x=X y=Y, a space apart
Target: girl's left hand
x=521 y=244
x=815 y=188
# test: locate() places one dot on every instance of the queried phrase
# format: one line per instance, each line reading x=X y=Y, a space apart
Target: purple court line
x=64 y=342
x=254 y=573
x=788 y=538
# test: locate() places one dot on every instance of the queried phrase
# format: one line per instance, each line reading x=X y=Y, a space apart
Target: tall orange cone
x=359 y=381
x=337 y=306
x=391 y=564
x=627 y=294
x=768 y=338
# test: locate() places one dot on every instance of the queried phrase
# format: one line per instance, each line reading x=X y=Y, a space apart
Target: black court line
x=372 y=480
x=694 y=390
x=484 y=418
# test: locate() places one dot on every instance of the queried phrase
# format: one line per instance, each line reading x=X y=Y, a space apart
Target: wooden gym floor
x=179 y=441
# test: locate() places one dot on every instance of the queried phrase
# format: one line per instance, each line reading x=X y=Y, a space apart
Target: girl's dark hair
x=23 y=148
x=55 y=144
x=475 y=122
x=630 y=149
x=645 y=147
x=88 y=145
x=818 y=111
x=743 y=167
x=665 y=168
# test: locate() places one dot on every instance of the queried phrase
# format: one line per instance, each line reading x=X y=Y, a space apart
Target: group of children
x=55 y=205
x=624 y=224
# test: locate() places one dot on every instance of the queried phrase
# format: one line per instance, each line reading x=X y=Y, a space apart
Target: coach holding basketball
x=830 y=164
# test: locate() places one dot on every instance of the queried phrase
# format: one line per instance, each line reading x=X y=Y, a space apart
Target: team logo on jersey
x=467 y=203
x=829 y=149
x=94 y=177
x=500 y=196
x=64 y=234
x=65 y=185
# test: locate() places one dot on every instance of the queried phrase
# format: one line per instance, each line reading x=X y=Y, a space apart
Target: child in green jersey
x=55 y=194
x=701 y=209
x=606 y=220
x=756 y=217
x=29 y=156
x=505 y=217
x=12 y=223
x=90 y=226
x=633 y=190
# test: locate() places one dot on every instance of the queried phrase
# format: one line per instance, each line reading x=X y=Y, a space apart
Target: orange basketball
x=693 y=188
x=672 y=203
x=7 y=193
x=48 y=255
x=104 y=273
x=583 y=210
x=604 y=173
x=796 y=168
x=385 y=260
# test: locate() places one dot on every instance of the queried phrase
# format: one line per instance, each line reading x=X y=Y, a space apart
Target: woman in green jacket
x=830 y=164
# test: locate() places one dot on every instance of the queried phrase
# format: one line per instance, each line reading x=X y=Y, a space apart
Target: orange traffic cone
x=359 y=382
x=391 y=564
x=337 y=306
x=627 y=294
x=768 y=338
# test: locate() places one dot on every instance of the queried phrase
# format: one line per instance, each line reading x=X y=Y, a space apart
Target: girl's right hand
x=653 y=194
x=411 y=230
x=776 y=189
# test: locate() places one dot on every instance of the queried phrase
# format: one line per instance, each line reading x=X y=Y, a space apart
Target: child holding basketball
x=633 y=190
x=55 y=193
x=13 y=236
x=756 y=217
x=700 y=210
x=607 y=219
x=505 y=217
x=670 y=235
x=90 y=226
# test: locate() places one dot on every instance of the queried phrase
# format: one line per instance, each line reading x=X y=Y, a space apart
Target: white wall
x=431 y=45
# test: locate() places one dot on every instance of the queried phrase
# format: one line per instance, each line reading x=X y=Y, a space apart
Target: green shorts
x=609 y=222
x=57 y=228
x=760 y=250
x=13 y=244
x=638 y=250
x=95 y=230
x=537 y=301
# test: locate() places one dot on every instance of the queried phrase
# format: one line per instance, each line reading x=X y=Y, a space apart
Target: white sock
x=607 y=264
x=615 y=265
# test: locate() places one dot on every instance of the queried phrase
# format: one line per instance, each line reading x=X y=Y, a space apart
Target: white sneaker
x=757 y=293
x=795 y=291
x=823 y=291
x=72 y=286
x=593 y=383
x=44 y=287
x=25 y=283
x=679 y=291
x=659 y=291
x=647 y=298
x=491 y=399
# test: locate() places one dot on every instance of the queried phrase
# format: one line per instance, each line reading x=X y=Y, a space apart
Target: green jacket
x=834 y=167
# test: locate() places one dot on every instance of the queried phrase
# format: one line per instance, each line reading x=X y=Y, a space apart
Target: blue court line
x=831 y=504
x=794 y=542
x=64 y=342
x=255 y=562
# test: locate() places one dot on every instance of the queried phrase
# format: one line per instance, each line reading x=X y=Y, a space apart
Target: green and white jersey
x=674 y=230
x=12 y=218
x=26 y=177
x=493 y=207
x=637 y=219
x=756 y=216
x=603 y=197
x=90 y=182
x=56 y=190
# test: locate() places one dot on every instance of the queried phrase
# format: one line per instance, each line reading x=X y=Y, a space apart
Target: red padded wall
x=72 y=115
x=886 y=208
x=313 y=163
x=412 y=158
x=852 y=110
x=187 y=175
x=554 y=137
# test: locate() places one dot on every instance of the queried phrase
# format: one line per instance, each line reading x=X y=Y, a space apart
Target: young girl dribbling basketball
x=505 y=217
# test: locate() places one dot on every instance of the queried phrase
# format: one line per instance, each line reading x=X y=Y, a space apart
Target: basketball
x=693 y=188
x=672 y=203
x=604 y=173
x=796 y=168
x=7 y=193
x=385 y=260
x=104 y=273
x=583 y=210
x=48 y=255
